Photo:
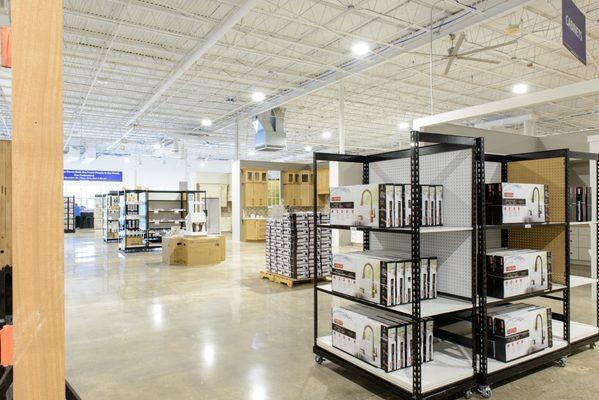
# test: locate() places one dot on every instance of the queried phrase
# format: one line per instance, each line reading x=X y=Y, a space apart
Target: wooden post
x=37 y=181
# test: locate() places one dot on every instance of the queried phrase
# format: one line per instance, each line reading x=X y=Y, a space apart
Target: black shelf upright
x=475 y=302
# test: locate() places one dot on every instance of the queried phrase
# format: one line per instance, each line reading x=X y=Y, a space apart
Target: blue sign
x=91 y=175
x=574 y=35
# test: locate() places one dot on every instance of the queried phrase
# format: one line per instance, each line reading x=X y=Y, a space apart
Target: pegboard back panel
x=548 y=238
x=453 y=170
x=492 y=172
x=453 y=250
x=547 y=171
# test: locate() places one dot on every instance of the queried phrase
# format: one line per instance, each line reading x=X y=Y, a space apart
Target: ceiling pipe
x=187 y=62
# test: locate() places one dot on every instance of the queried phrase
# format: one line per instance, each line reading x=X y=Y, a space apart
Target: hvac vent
x=270 y=130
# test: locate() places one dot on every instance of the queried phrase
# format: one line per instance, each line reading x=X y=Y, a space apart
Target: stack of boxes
x=509 y=203
x=386 y=205
x=517 y=330
x=581 y=201
x=513 y=272
x=380 y=338
x=290 y=245
x=382 y=276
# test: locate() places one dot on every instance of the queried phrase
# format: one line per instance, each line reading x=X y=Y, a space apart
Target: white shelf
x=578 y=331
x=583 y=223
x=576 y=280
x=452 y=363
x=428 y=308
x=555 y=287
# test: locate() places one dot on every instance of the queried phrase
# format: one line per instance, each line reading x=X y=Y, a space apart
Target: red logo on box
x=508 y=194
x=337 y=265
x=338 y=322
x=511 y=331
x=335 y=198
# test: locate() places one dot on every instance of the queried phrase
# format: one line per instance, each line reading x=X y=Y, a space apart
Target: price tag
x=353 y=229
x=528 y=226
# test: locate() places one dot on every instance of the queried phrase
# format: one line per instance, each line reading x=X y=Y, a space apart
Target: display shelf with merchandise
x=457 y=163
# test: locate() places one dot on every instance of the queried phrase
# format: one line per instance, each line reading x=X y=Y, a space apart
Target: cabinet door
x=261 y=197
x=323 y=181
x=262 y=230
x=248 y=194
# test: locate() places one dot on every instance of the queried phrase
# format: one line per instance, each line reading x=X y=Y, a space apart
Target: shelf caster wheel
x=593 y=346
x=485 y=392
x=562 y=362
x=468 y=394
x=319 y=359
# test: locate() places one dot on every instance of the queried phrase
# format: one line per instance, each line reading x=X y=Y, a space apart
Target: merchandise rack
x=454 y=369
x=124 y=216
x=69 y=214
x=568 y=335
x=111 y=199
x=172 y=203
x=149 y=233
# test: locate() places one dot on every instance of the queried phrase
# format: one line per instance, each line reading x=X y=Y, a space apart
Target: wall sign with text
x=92 y=175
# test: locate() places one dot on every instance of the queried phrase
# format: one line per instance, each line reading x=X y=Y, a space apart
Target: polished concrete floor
x=137 y=329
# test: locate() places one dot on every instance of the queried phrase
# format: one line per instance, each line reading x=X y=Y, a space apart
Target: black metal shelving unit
x=110 y=205
x=155 y=230
x=138 y=213
x=149 y=231
x=69 y=214
x=504 y=372
x=408 y=383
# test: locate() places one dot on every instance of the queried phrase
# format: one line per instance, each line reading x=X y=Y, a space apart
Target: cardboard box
x=379 y=338
x=520 y=332
x=362 y=205
x=513 y=272
x=365 y=277
x=516 y=203
x=193 y=250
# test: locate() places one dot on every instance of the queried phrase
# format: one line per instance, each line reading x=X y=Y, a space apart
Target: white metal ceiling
x=116 y=53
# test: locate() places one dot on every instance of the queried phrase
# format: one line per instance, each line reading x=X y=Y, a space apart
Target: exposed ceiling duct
x=270 y=130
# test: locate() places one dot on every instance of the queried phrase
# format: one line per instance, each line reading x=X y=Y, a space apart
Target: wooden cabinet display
x=255 y=188
x=254 y=229
x=297 y=188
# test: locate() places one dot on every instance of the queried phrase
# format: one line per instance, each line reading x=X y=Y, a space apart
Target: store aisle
x=137 y=329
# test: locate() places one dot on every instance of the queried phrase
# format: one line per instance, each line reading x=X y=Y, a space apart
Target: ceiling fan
x=453 y=52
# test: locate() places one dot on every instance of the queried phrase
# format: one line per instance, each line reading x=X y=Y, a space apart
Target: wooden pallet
x=285 y=279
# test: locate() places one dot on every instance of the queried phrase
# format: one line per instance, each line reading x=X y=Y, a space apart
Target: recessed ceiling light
x=127 y=160
x=206 y=122
x=308 y=148
x=157 y=146
x=203 y=163
x=258 y=96
x=360 y=48
x=403 y=125
x=326 y=135
x=252 y=152
x=520 y=88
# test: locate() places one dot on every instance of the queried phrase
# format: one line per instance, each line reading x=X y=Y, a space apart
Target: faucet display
x=362 y=203
x=539 y=258
x=540 y=317
x=374 y=355
x=372 y=285
x=536 y=189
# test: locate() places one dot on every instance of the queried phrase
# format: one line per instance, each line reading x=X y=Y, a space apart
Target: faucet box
x=516 y=203
x=382 y=276
x=520 y=332
x=431 y=205
x=379 y=338
x=363 y=205
x=365 y=277
x=512 y=272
